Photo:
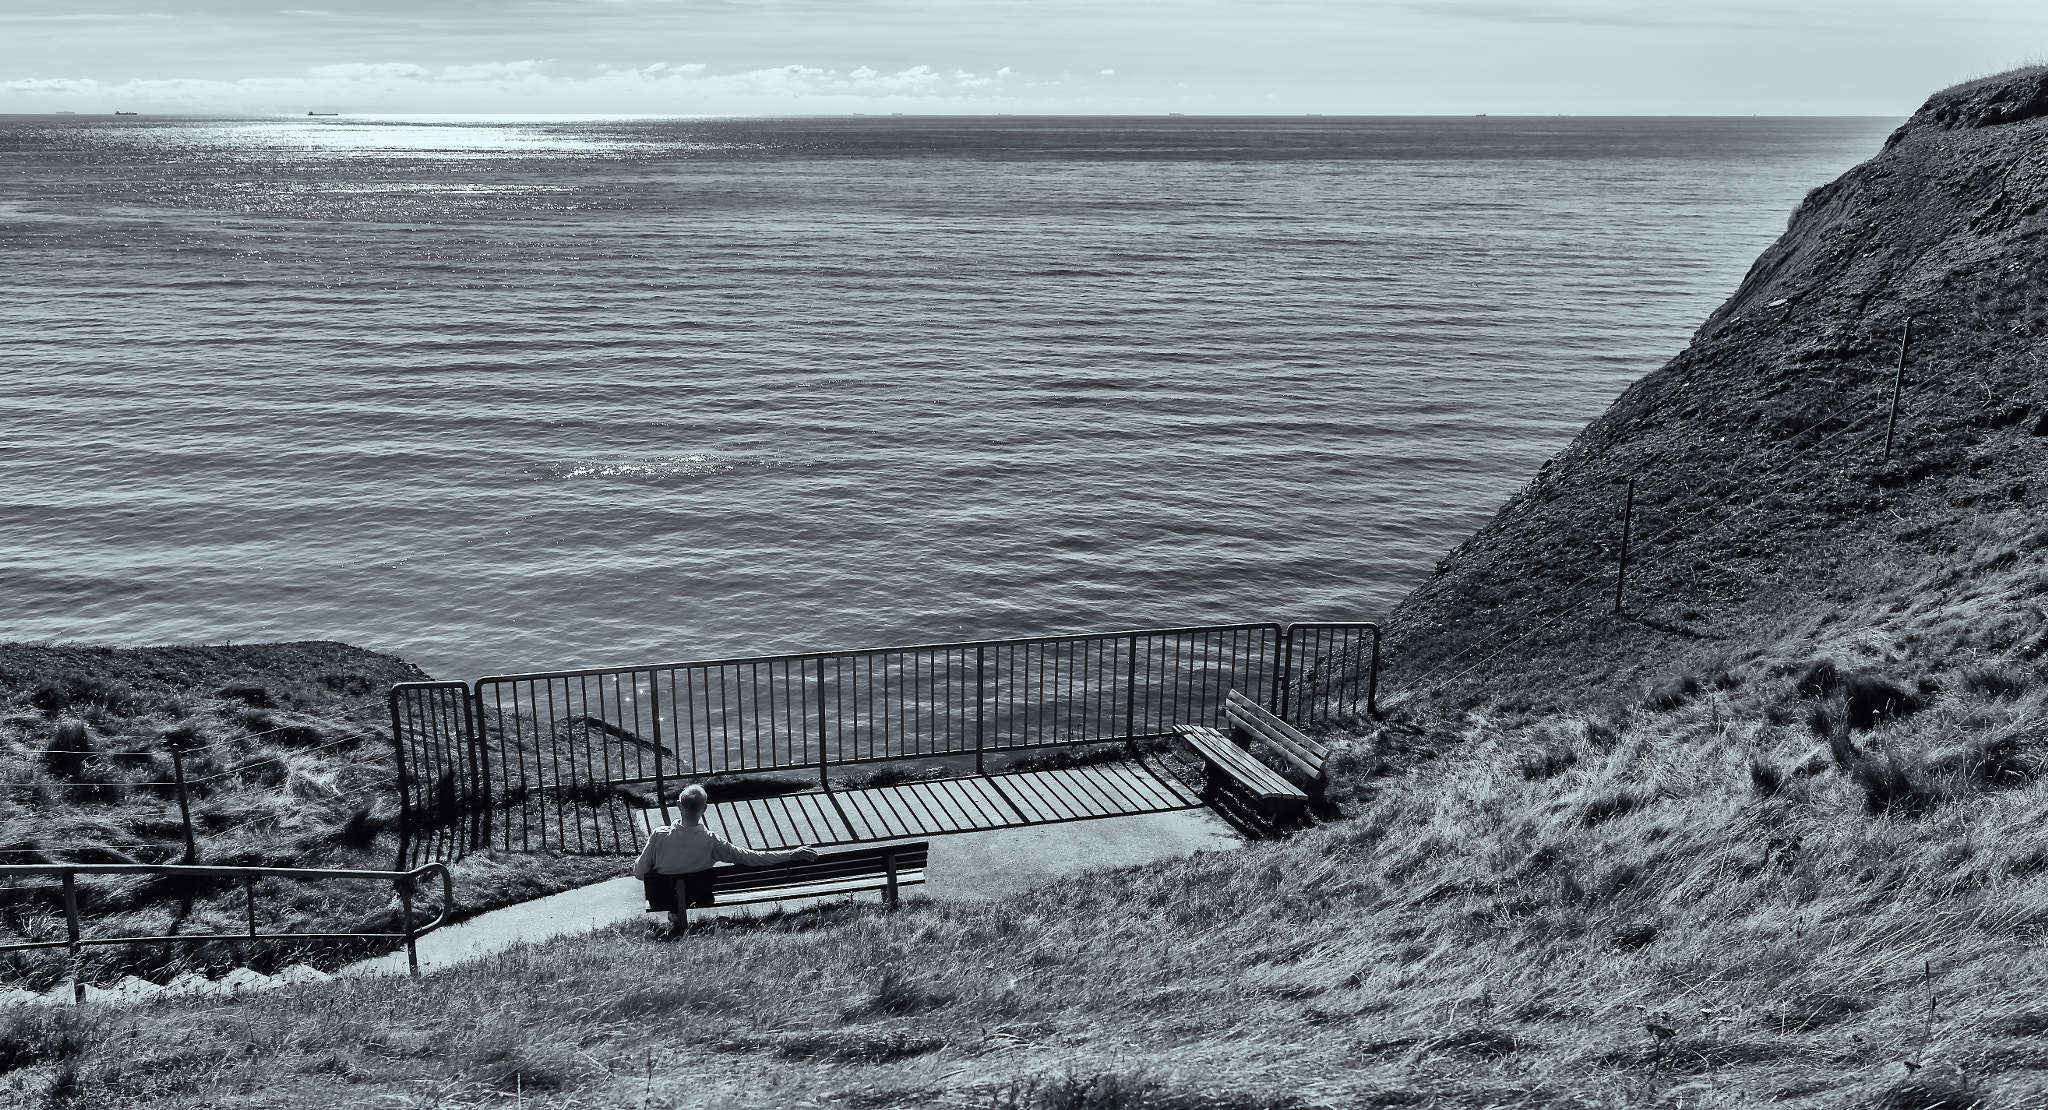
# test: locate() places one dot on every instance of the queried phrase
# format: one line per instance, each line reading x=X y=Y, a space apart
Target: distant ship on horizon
x=124 y=113
x=323 y=113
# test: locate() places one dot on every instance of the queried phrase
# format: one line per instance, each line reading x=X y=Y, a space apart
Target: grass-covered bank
x=287 y=755
x=1652 y=904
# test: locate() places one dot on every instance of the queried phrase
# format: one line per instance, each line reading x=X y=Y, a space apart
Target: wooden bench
x=1250 y=723
x=885 y=869
x=1231 y=755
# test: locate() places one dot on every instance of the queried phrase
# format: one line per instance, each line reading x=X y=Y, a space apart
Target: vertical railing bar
x=74 y=930
x=577 y=698
x=1277 y=700
x=398 y=759
x=473 y=707
x=540 y=774
x=531 y=740
x=421 y=747
x=797 y=716
x=750 y=733
x=824 y=765
x=459 y=826
x=724 y=718
x=466 y=761
x=431 y=752
x=506 y=750
x=660 y=778
x=428 y=708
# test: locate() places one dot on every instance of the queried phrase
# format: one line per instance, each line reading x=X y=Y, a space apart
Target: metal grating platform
x=941 y=806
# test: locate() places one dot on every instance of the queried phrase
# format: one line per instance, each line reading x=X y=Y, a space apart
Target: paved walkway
x=986 y=865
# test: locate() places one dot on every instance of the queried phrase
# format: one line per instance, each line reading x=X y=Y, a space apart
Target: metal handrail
x=517 y=759
x=404 y=881
x=803 y=656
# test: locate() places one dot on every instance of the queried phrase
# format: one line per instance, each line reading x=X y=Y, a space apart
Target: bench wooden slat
x=753 y=884
x=831 y=873
x=1284 y=738
x=812 y=890
x=1262 y=781
x=825 y=868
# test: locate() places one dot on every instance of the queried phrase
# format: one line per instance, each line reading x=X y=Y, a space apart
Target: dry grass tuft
x=1939 y=1091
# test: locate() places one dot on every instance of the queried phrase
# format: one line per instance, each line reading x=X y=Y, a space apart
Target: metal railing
x=444 y=786
x=567 y=760
x=75 y=939
x=1332 y=674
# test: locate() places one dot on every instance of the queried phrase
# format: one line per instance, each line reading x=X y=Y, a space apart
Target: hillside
x=1771 y=836
x=287 y=756
x=1768 y=526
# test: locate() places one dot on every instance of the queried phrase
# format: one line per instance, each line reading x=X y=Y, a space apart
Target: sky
x=790 y=57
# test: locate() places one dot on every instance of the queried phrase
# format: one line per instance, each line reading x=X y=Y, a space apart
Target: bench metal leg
x=889 y=892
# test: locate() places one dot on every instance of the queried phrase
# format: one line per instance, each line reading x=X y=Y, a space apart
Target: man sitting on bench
x=675 y=853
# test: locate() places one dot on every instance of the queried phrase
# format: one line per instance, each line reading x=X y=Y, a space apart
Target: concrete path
x=977 y=866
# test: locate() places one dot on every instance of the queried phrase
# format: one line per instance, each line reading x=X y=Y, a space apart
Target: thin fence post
x=660 y=782
x=1131 y=692
x=1628 y=513
x=980 y=704
x=1283 y=666
x=824 y=762
x=74 y=930
x=404 y=787
x=249 y=889
x=480 y=751
x=184 y=806
x=1898 y=382
x=1372 y=682
x=412 y=951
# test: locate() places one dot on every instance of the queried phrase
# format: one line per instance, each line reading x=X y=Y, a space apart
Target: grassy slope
x=1473 y=934
x=288 y=763
x=1758 y=452
x=1730 y=892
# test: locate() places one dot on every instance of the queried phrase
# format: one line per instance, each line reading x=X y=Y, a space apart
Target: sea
x=503 y=395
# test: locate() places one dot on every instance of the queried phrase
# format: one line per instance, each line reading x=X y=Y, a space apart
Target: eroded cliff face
x=1768 y=523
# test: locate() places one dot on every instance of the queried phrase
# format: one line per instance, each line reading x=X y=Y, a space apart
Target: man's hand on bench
x=805 y=854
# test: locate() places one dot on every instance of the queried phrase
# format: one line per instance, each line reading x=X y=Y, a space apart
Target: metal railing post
x=1628 y=514
x=1131 y=692
x=412 y=950
x=473 y=704
x=660 y=783
x=980 y=704
x=404 y=787
x=1898 y=383
x=1283 y=658
x=249 y=889
x=824 y=759
x=73 y=930
x=1372 y=682
x=184 y=806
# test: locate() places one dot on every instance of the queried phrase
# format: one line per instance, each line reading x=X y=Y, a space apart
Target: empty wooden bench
x=885 y=869
x=1231 y=755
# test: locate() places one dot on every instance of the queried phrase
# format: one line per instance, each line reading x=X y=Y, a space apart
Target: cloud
x=490 y=71
x=660 y=88
x=358 y=69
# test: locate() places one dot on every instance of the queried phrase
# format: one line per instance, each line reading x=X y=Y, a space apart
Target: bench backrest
x=851 y=864
x=1250 y=721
